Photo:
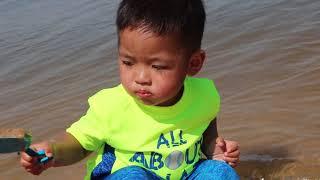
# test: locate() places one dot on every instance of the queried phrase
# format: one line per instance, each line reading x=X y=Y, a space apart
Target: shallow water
x=263 y=56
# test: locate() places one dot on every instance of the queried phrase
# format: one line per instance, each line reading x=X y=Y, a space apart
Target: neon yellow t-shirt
x=165 y=140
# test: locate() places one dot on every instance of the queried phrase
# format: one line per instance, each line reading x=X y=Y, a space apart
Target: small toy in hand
x=15 y=140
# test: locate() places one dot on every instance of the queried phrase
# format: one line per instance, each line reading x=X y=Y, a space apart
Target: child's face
x=152 y=68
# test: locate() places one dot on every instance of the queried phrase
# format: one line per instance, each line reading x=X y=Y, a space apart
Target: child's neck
x=173 y=100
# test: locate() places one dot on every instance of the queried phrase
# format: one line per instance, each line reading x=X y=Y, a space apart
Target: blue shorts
x=204 y=169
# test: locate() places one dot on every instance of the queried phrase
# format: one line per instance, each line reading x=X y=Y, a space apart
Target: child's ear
x=195 y=62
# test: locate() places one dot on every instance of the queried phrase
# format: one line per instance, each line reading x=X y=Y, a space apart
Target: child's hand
x=32 y=164
x=227 y=151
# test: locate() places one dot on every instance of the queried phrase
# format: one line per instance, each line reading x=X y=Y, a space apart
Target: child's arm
x=209 y=139
x=215 y=147
x=65 y=149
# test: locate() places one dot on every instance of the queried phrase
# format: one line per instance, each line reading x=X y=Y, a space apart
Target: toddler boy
x=156 y=123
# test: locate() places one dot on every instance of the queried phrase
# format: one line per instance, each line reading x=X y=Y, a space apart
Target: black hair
x=186 y=18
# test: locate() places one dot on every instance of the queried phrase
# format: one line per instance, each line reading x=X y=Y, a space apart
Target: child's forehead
x=145 y=31
x=146 y=36
x=150 y=46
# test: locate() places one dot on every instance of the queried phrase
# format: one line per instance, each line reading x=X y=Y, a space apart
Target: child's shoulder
x=200 y=83
x=198 y=80
x=110 y=97
x=112 y=91
x=203 y=86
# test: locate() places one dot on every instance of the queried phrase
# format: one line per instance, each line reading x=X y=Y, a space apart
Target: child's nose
x=143 y=77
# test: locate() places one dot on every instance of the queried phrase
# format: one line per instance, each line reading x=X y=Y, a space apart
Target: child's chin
x=147 y=102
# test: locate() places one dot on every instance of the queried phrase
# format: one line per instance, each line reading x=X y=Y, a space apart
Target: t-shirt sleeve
x=215 y=97
x=89 y=129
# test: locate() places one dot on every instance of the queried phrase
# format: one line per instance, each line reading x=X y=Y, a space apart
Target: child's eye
x=127 y=63
x=159 y=67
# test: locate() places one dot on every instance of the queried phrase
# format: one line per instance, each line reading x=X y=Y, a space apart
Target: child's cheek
x=168 y=90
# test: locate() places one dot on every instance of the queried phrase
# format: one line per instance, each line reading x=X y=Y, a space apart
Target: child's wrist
x=54 y=151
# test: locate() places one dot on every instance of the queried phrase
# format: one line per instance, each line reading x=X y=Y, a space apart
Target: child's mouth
x=143 y=94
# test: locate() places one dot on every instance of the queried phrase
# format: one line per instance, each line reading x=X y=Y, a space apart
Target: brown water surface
x=263 y=56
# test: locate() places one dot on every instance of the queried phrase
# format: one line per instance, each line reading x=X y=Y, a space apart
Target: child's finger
x=233 y=164
x=232 y=146
x=220 y=142
x=27 y=161
x=26 y=157
x=36 y=170
x=49 y=154
x=25 y=164
x=230 y=159
x=232 y=154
